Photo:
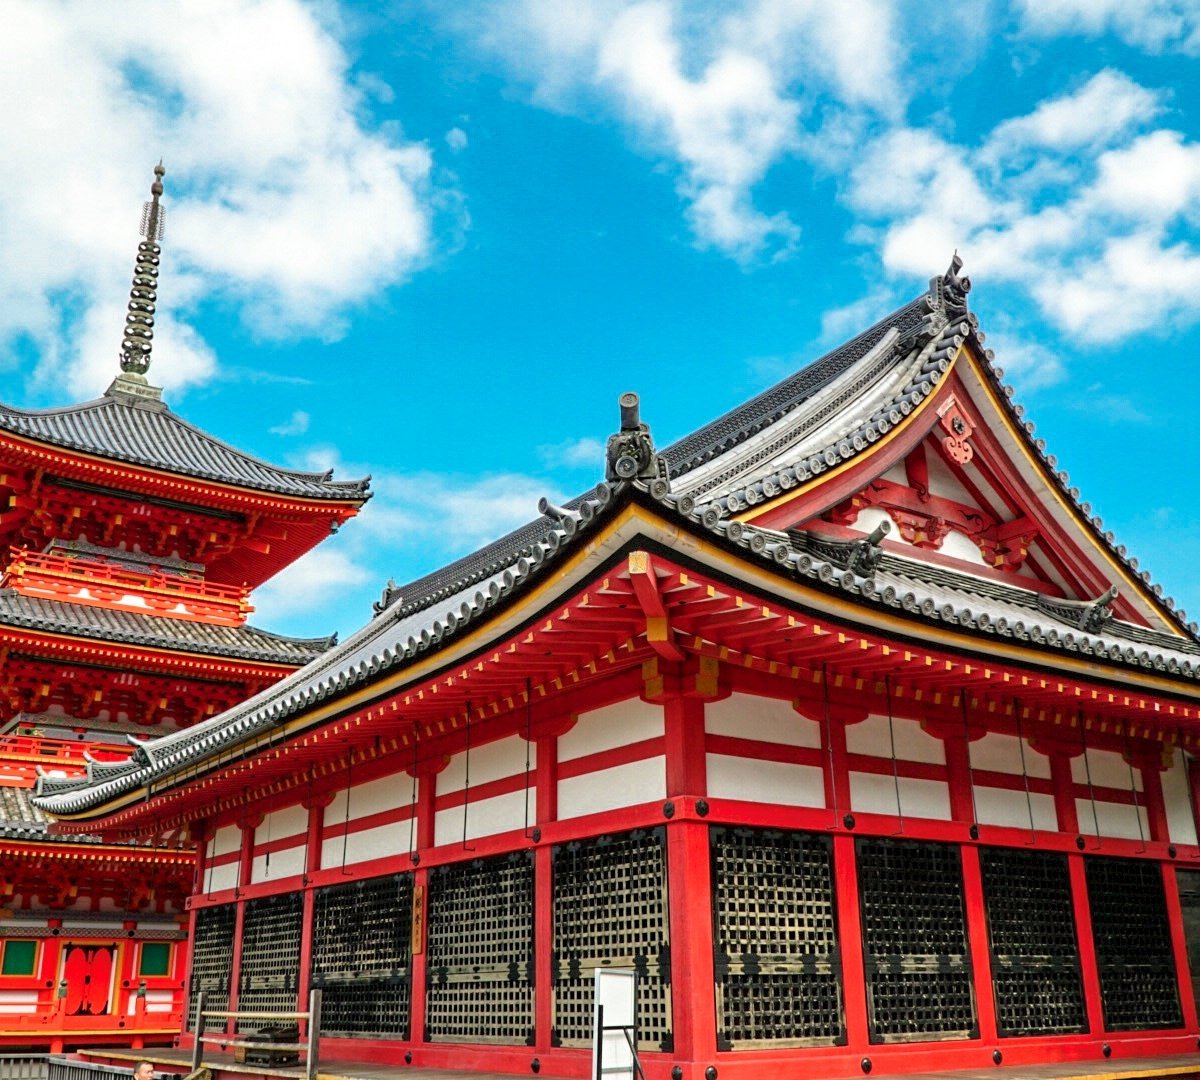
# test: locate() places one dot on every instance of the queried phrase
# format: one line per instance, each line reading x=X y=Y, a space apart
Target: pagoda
x=842 y=723
x=130 y=543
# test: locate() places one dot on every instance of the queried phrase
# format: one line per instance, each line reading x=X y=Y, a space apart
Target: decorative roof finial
x=630 y=453
x=139 y=323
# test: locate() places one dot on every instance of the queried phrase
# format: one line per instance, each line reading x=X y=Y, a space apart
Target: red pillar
x=201 y=836
x=426 y=795
x=546 y=787
x=245 y=866
x=1187 y=996
x=312 y=863
x=689 y=884
x=1088 y=968
x=1150 y=769
x=126 y=979
x=977 y=939
x=1064 y=792
x=849 y=917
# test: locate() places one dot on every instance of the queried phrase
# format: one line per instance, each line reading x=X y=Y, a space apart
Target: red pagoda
x=843 y=723
x=130 y=542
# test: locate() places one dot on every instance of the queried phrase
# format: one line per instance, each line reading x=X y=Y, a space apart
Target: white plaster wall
x=1116 y=819
x=377 y=797
x=485 y=817
x=1002 y=754
x=745 y=716
x=157 y=1001
x=613 y=726
x=912 y=744
x=996 y=806
x=764 y=781
x=871 y=793
x=115 y=925
x=18 y=1002
x=226 y=841
x=489 y=761
x=284 y=863
x=1181 y=824
x=1109 y=769
x=958 y=546
x=609 y=789
x=870 y=517
x=377 y=843
x=292 y=821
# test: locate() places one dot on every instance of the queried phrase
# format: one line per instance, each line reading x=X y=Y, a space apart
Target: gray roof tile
x=155 y=631
x=148 y=433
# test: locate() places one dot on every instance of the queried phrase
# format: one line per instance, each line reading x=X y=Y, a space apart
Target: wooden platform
x=1178 y=1067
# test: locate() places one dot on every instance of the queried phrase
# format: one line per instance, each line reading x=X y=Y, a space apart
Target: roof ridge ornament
x=948 y=293
x=1086 y=615
x=861 y=555
x=630 y=453
x=143 y=294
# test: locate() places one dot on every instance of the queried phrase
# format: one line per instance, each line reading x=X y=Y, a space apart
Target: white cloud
x=297 y=425
x=277 y=195
x=575 y=454
x=1154 y=25
x=308 y=584
x=1074 y=203
x=719 y=92
x=456 y=139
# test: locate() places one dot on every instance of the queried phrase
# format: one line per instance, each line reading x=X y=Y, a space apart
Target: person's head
x=143 y=1070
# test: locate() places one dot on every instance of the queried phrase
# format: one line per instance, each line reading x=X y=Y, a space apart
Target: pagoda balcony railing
x=37 y=1012
x=22 y=754
x=94 y=581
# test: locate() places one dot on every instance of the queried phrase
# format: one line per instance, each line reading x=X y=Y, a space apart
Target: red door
x=87 y=971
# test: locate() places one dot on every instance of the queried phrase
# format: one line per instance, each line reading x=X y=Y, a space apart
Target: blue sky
x=434 y=242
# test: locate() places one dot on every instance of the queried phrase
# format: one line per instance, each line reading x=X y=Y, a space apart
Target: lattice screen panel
x=212 y=959
x=270 y=975
x=1138 y=985
x=915 y=948
x=361 y=963
x=610 y=910
x=1034 y=950
x=778 y=969
x=480 y=951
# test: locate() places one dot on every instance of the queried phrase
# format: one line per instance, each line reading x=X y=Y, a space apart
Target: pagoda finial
x=139 y=322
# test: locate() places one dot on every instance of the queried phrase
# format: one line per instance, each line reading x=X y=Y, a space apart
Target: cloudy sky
x=433 y=242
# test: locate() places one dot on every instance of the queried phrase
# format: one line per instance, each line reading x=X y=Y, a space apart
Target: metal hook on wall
x=887 y=687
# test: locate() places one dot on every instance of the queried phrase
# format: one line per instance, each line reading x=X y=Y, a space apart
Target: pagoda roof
x=21 y=820
x=121 y=427
x=156 y=631
x=818 y=420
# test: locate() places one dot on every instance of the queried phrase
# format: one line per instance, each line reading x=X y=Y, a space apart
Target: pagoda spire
x=143 y=293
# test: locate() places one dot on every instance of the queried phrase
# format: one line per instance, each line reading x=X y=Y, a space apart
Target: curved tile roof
x=419 y=618
x=146 y=432
x=156 y=631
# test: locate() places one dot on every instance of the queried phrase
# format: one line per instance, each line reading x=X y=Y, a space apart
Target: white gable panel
x=611 y=727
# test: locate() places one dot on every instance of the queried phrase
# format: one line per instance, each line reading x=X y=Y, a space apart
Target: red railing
x=106 y=583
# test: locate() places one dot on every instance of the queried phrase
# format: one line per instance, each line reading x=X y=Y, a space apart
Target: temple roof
x=156 y=631
x=21 y=820
x=819 y=419
x=147 y=433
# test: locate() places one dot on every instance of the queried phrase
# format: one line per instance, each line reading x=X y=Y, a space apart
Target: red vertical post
x=1064 y=792
x=1187 y=996
x=200 y=834
x=689 y=880
x=245 y=867
x=426 y=795
x=977 y=938
x=312 y=863
x=546 y=789
x=1088 y=968
x=1150 y=771
x=126 y=980
x=849 y=921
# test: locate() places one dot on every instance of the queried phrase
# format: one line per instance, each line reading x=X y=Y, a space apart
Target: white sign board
x=613 y=1024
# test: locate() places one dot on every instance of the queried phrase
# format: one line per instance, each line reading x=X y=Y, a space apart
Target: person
x=143 y=1070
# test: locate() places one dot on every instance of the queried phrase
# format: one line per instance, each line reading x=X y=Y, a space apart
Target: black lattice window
x=915 y=948
x=610 y=910
x=361 y=962
x=212 y=959
x=480 y=951
x=270 y=976
x=1138 y=984
x=777 y=964
x=1034 y=949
